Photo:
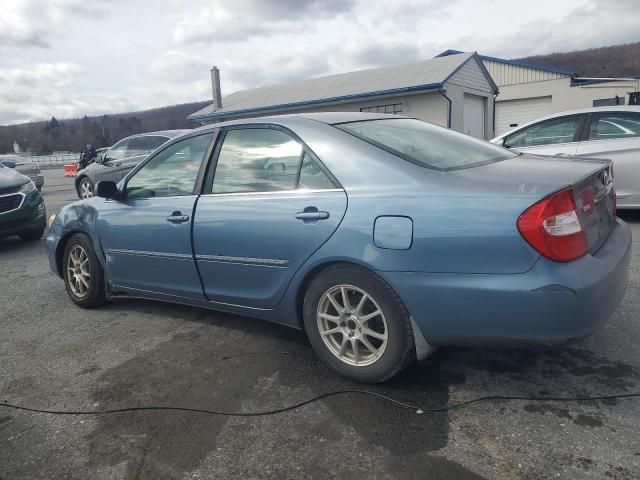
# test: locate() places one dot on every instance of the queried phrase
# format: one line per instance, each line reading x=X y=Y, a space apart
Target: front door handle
x=177 y=217
x=311 y=215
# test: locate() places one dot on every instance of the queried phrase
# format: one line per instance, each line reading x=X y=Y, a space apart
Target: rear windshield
x=425 y=144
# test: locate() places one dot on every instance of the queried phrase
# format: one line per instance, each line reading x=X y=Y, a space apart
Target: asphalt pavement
x=54 y=355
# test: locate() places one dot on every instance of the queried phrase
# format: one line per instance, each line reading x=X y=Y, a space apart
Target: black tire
x=32 y=235
x=95 y=294
x=400 y=346
x=88 y=182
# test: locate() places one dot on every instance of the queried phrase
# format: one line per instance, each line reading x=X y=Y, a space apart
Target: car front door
x=616 y=136
x=110 y=167
x=557 y=136
x=270 y=206
x=146 y=235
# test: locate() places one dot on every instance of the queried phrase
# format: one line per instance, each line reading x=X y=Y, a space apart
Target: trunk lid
x=537 y=177
x=595 y=198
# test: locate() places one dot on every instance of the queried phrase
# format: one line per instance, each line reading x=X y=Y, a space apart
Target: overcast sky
x=70 y=58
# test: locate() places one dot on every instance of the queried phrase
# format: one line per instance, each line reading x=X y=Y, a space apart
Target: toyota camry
x=383 y=237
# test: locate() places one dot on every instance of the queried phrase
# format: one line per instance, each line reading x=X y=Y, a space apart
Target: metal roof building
x=454 y=90
x=531 y=91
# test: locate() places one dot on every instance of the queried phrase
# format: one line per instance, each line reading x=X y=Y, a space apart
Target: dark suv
x=119 y=159
x=22 y=209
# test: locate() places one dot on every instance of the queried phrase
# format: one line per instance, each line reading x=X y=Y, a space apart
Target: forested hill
x=615 y=61
x=102 y=131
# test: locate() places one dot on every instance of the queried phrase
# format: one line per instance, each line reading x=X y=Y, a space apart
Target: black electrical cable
x=416 y=408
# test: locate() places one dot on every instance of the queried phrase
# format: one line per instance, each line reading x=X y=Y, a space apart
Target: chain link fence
x=56 y=160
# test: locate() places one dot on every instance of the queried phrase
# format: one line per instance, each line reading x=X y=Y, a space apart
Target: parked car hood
x=9 y=178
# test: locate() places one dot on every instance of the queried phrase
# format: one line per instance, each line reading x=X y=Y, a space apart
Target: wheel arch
x=78 y=180
x=62 y=244
x=313 y=272
x=422 y=347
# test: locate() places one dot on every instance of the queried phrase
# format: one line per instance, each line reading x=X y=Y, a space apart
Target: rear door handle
x=311 y=215
x=177 y=217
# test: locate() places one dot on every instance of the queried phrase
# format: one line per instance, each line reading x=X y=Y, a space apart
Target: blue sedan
x=383 y=237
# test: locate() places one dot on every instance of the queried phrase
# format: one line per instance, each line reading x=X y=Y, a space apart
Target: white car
x=601 y=132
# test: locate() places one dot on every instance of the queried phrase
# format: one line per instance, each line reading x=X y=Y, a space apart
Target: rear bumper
x=551 y=304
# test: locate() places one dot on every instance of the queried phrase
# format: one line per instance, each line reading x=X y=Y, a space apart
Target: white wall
x=563 y=95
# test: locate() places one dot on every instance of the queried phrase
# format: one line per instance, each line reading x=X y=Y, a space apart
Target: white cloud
x=222 y=20
x=41 y=91
x=108 y=56
x=34 y=23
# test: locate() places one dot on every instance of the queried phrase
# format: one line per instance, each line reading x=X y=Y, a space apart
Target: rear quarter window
x=425 y=144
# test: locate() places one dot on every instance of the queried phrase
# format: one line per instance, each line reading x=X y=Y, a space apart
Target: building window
x=606 y=102
x=390 y=108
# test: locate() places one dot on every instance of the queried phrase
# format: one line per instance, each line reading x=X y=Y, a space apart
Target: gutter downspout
x=495 y=95
x=441 y=92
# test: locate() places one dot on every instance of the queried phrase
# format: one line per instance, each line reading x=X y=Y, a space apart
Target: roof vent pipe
x=215 y=87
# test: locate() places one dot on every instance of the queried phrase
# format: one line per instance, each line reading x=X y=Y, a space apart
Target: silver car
x=119 y=159
x=602 y=132
x=30 y=169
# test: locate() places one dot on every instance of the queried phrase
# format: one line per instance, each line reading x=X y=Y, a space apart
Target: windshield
x=426 y=144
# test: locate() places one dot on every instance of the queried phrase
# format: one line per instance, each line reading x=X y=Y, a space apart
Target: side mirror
x=500 y=142
x=107 y=189
x=276 y=170
x=9 y=163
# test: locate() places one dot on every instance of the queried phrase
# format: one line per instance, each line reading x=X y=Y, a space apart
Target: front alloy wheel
x=78 y=271
x=86 y=188
x=82 y=272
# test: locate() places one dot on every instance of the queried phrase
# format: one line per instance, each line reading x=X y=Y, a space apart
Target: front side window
x=119 y=150
x=172 y=172
x=425 y=144
x=559 y=130
x=257 y=160
x=614 y=125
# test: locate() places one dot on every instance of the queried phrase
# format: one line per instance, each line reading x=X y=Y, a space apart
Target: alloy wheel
x=352 y=325
x=86 y=189
x=78 y=273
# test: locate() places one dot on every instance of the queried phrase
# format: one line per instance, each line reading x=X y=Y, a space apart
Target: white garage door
x=513 y=113
x=474 y=113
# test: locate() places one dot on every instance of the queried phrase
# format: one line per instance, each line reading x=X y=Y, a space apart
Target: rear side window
x=425 y=144
x=140 y=146
x=311 y=175
x=614 y=125
x=558 y=130
x=257 y=160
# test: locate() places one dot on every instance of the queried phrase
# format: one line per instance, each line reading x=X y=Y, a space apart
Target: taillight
x=552 y=226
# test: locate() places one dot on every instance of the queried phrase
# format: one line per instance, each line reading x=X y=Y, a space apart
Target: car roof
x=330 y=118
x=159 y=133
x=613 y=108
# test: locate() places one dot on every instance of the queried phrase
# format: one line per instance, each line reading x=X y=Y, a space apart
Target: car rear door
x=269 y=207
x=146 y=236
x=556 y=136
x=616 y=136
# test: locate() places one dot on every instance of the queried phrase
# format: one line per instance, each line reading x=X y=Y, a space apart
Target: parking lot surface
x=131 y=353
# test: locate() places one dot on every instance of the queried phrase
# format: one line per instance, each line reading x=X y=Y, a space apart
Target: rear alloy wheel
x=357 y=324
x=83 y=274
x=352 y=325
x=85 y=189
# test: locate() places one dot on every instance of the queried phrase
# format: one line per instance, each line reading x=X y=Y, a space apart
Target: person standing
x=88 y=156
